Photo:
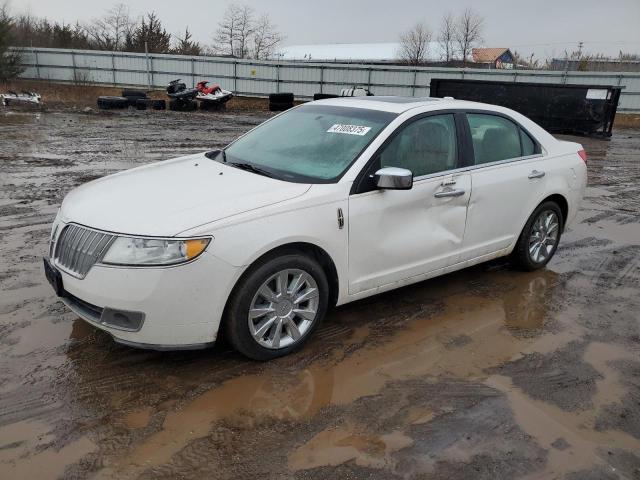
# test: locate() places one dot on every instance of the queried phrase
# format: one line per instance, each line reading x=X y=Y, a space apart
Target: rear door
x=507 y=175
x=398 y=234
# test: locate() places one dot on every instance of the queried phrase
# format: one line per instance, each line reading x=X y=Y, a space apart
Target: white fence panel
x=260 y=78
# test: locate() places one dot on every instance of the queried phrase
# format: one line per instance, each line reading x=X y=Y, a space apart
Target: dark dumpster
x=562 y=108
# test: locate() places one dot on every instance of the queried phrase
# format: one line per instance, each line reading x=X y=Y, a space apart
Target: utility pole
x=580 y=50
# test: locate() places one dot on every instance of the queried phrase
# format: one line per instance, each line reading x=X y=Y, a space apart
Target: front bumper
x=181 y=306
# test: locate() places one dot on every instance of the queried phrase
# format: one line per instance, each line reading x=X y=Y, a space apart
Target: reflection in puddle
x=424 y=344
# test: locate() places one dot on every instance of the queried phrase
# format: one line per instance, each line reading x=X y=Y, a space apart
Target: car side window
x=494 y=138
x=427 y=145
x=528 y=146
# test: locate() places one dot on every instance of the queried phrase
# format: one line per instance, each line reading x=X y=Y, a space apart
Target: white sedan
x=327 y=203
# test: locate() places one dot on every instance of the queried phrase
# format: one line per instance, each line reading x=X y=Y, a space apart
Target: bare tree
x=265 y=39
x=227 y=31
x=446 y=36
x=244 y=32
x=110 y=31
x=468 y=32
x=235 y=31
x=414 y=44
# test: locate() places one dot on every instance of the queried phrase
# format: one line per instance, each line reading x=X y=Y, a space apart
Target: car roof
x=397 y=104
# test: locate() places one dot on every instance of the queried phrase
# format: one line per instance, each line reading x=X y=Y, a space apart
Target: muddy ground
x=487 y=373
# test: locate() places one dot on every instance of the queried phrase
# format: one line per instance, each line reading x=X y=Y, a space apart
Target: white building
x=351 y=52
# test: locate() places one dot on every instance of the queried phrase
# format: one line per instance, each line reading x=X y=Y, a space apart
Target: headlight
x=153 y=251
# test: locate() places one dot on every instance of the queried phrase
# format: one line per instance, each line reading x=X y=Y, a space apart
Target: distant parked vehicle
x=327 y=203
x=22 y=98
x=355 y=92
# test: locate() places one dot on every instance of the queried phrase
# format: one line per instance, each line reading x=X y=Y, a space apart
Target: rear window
x=497 y=138
x=528 y=147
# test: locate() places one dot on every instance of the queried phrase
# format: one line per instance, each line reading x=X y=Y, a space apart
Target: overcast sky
x=545 y=27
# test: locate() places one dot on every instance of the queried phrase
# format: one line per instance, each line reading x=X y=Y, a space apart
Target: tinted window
x=494 y=138
x=528 y=147
x=312 y=143
x=425 y=146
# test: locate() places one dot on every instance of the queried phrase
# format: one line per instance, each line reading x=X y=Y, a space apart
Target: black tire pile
x=178 y=105
x=131 y=98
x=279 y=102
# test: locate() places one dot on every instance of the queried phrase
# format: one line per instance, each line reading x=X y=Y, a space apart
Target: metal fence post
x=146 y=54
x=35 y=52
x=369 y=80
x=113 y=67
x=321 y=78
x=73 y=63
x=235 y=76
x=193 y=72
x=278 y=77
x=415 y=78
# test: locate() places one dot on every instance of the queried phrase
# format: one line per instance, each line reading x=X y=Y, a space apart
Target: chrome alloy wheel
x=544 y=236
x=283 y=309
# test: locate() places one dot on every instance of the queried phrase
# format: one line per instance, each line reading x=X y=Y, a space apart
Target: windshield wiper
x=249 y=167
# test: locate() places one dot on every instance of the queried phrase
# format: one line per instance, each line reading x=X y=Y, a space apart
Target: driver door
x=398 y=234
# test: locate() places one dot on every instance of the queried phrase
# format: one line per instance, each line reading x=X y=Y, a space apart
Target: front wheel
x=277 y=306
x=539 y=239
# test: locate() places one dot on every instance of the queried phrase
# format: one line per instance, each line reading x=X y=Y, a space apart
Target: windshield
x=311 y=144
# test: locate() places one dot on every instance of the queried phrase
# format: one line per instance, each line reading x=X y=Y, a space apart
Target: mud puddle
x=485 y=373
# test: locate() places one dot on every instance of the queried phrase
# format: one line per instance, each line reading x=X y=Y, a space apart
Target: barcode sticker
x=349 y=129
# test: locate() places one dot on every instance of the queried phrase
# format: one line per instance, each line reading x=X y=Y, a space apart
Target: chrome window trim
x=476 y=167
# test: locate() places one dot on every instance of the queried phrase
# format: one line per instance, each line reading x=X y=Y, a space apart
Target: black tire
x=281 y=98
x=128 y=92
x=107 y=103
x=279 y=107
x=159 y=104
x=236 y=313
x=521 y=258
x=141 y=104
x=322 y=96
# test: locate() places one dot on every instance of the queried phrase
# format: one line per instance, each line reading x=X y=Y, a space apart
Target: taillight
x=583 y=155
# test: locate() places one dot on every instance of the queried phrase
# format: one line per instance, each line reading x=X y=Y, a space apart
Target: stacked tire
x=279 y=102
x=145 y=103
x=133 y=96
x=111 y=103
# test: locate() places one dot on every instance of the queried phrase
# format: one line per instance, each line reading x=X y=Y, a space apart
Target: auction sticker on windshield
x=349 y=129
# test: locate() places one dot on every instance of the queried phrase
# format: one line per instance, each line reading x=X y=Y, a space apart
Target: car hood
x=166 y=198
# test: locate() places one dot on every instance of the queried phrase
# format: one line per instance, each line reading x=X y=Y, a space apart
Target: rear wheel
x=277 y=306
x=539 y=239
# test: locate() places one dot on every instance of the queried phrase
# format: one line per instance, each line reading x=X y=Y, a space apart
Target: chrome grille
x=79 y=248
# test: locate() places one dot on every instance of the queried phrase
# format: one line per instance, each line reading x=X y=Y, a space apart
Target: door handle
x=448 y=193
x=536 y=174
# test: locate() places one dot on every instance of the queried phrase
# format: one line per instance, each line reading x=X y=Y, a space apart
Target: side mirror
x=393 y=178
